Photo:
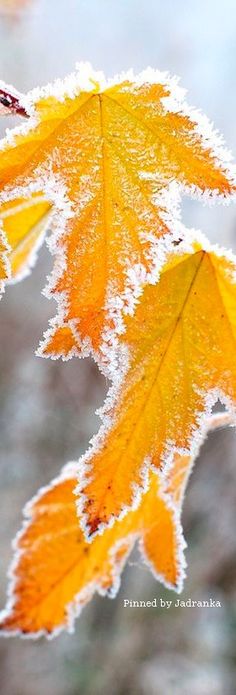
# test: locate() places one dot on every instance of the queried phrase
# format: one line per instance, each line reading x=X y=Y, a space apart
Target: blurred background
x=47 y=408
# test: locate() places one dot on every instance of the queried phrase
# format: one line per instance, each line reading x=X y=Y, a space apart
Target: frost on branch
x=10 y=102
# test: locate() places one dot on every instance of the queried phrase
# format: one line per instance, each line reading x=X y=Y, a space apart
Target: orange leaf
x=56 y=572
x=106 y=154
x=24 y=222
x=182 y=358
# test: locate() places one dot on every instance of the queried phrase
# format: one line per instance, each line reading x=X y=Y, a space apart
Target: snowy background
x=47 y=409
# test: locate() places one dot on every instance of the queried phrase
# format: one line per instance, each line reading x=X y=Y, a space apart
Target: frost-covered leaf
x=24 y=222
x=182 y=357
x=56 y=572
x=106 y=154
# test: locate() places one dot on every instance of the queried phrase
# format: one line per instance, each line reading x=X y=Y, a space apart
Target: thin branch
x=10 y=103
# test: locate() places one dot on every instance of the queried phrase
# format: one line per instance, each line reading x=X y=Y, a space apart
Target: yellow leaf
x=24 y=222
x=56 y=572
x=106 y=155
x=182 y=358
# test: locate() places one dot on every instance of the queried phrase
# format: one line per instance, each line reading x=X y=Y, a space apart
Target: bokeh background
x=47 y=408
